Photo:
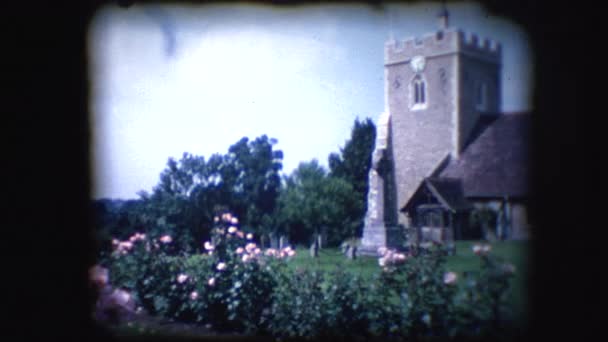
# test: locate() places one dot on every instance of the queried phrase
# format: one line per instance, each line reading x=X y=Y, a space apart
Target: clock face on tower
x=417 y=63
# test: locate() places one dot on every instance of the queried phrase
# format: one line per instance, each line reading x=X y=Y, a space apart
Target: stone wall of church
x=421 y=138
x=472 y=73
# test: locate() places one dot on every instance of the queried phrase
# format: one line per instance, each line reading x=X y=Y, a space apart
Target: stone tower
x=436 y=88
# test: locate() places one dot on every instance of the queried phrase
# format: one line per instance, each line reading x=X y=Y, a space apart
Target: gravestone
x=344 y=247
x=351 y=252
x=264 y=241
x=274 y=242
x=314 y=249
x=283 y=242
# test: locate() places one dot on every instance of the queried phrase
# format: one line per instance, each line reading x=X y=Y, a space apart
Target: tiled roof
x=448 y=192
x=494 y=163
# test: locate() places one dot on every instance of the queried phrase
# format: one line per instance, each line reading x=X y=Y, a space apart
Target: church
x=447 y=164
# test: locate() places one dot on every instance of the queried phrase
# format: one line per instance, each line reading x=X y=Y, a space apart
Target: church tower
x=437 y=87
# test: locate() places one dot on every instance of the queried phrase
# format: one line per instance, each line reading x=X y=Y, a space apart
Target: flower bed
x=235 y=286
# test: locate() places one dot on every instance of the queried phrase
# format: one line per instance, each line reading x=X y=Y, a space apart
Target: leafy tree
x=253 y=170
x=353 y=163
x=312 y=201
x=192 y=190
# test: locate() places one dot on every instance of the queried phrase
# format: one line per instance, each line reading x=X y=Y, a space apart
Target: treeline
x=246 y=181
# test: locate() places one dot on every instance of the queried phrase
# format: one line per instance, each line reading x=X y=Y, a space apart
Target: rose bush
x=481 y=305
x=233 y=285
x=228 y=286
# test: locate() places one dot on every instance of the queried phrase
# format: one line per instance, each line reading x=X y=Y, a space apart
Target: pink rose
x=125 y=246
x=382 y=262
x=182 y=278
x=232 y=230
x=211 y=281
x=194 y=295
x=122 y=298
x=221 y=266
x=208 y=246
x=249 y=236
x=166 y=239
x=250 y=247
x=449 y=278
x=477 y=249
x=482 y=249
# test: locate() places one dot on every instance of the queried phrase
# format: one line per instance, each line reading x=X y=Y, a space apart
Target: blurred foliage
x=313 y=202
x=353 y=164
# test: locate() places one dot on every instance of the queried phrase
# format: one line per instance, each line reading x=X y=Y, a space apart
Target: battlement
x=472 y=43
x=442 y=42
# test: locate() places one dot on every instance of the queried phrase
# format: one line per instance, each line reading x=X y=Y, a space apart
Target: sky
x=168 y=80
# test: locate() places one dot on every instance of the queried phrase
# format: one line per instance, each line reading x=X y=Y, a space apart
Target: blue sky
x=168 y=80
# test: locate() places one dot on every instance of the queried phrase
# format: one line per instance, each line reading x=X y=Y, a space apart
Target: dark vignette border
x=47 y=242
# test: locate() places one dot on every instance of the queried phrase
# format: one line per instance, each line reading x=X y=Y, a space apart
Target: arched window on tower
x=418 y=96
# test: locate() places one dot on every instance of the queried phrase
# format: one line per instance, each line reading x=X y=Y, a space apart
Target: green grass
x=331 y=258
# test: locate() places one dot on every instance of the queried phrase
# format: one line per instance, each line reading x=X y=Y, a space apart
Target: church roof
x=494 y=163
x=448 y=192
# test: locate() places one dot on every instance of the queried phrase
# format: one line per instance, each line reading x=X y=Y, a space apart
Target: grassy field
x=515 y=252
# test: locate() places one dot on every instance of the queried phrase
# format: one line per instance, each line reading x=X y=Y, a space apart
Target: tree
x=353 y=164
x=192 y=191
x=312 y=201
x=253 y=168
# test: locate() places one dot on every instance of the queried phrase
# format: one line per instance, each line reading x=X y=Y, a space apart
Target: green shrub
x=481 y=305
x=237 y=287
x=418 y=291
x=345 y=298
